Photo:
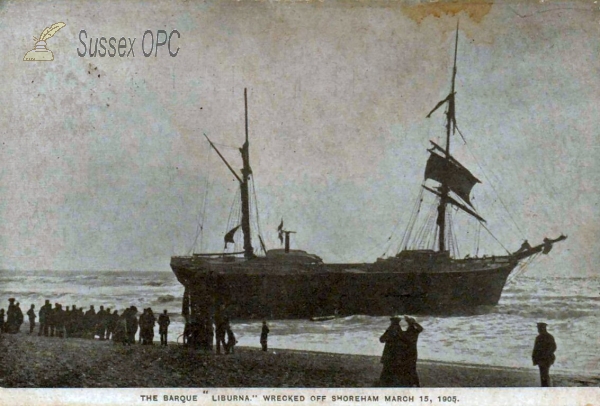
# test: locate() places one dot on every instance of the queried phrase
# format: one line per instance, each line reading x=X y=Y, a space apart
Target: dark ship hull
x=413 y=282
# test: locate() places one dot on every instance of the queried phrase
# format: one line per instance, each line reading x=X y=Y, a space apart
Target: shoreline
x=30 y=361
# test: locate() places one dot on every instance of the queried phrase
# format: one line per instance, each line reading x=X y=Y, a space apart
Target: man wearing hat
x=543 y=353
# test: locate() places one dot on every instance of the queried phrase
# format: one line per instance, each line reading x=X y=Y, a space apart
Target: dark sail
x=230 y=234
x=452 y=174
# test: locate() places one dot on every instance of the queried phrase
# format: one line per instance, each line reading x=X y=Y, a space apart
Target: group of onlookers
x=74 y=322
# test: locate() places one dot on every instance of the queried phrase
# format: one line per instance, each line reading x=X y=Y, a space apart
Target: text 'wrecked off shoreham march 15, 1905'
x=126 y=48
x=299 y=398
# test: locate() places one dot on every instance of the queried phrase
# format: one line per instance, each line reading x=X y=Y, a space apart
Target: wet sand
x=31 y=361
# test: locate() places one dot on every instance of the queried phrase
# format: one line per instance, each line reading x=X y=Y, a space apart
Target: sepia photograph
x=375 y=199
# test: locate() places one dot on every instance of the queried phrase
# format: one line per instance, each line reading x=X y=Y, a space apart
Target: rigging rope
x=235 y=214
x=412 y=220
x=257 y=218
x=494 y=237
x=491 y=184
x=200 y=225
x=522 y=268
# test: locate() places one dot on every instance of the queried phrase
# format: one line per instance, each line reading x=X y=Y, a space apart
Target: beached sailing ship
x=286 y=283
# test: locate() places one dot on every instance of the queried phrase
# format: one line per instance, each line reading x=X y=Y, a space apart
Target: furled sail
x=450 y=172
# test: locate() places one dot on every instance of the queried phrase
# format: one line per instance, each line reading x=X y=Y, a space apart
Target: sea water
x=501 y=335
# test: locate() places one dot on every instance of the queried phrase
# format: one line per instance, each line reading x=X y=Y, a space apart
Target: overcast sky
x=104 y=165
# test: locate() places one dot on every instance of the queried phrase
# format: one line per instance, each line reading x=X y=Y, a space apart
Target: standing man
x=42 y=314
x=89 y=322
x=100 y=321
x=132 y=324
x=264 y=335
x=394 y=371
x=20 y=317
x=543 y=353
x=163 y=327
x=411 y=335
x=32 y=317
x=11 y=316
x=220 y=329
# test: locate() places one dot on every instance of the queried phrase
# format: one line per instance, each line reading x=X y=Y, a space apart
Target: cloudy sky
x=104 y=165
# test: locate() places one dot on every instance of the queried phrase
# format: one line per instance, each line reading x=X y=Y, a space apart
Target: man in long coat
x=411 y=335
x=543 y=353
x=394 y=372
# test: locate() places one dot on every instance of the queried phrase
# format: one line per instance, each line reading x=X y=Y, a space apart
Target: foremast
x=447 y=171
x=450 y=128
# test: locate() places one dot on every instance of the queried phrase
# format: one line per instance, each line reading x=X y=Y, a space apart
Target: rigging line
x=206 y=187
x=493 y=188
x=387 y=244
x=412 y=220
x=256 y=208
x=200 y=225
x=477 y=237
x=419 y=237
x=494 y=237
x=234 y=208
x=406 y=238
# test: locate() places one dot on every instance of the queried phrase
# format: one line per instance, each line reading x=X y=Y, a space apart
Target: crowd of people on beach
x=105 y=324
x=73 y=322
x=399 y=357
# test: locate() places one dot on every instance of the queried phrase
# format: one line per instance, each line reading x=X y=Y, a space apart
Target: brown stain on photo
x=418 y=12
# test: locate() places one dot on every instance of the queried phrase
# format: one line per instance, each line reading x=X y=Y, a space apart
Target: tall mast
x=246 y=172
x=450 y=122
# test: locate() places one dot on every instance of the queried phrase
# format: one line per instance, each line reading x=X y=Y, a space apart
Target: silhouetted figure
x=44 y=317
x=147 y=322
x=2 y=323
x=89 y=322
x=411 y=336
x=100 y=324
x=19 y=316
x=220 y=330
x=132 y=324
x=231 y=341
x=395 y=371
x=163 y=327
x=543 y=353
x=264 y=335
x=11 y=317
x=112 y=324
x=68 y=322
x=80 y=320
x=59 y=321
x=120 y=330
x=32 y=316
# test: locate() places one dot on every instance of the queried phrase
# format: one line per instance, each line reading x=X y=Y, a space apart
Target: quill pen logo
x=40 y=52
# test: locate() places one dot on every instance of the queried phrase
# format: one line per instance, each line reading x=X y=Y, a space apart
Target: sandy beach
x=43 y=362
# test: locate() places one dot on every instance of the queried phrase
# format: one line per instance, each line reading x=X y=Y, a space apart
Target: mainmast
x=450 y=125
x=246 y=172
